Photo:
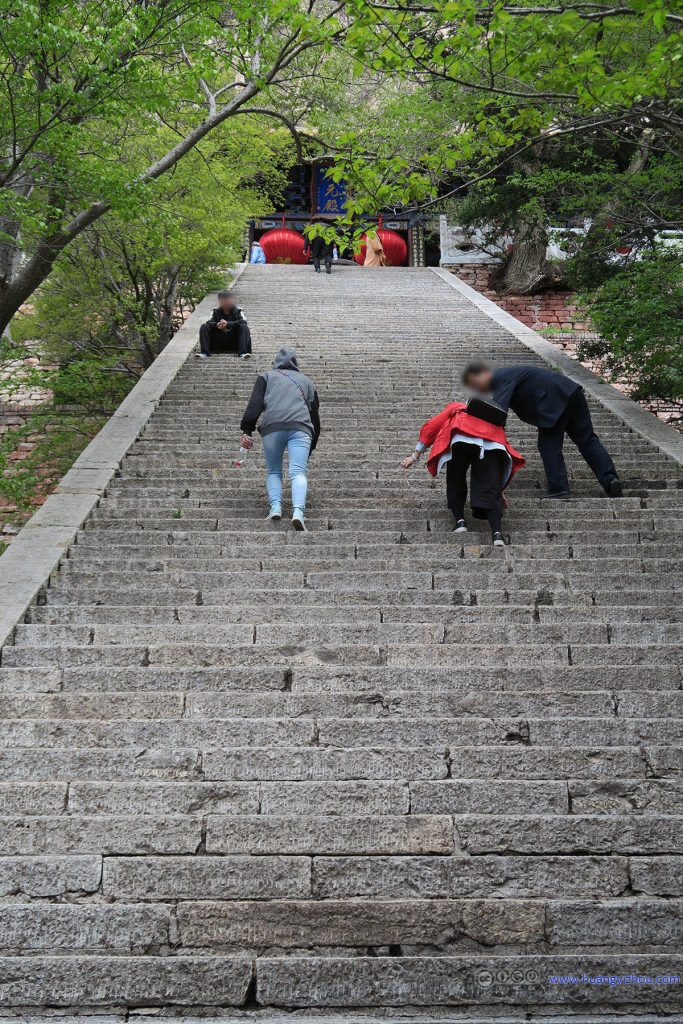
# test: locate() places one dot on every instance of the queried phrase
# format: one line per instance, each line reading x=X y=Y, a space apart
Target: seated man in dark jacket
x=227 y=327
x=557 y=406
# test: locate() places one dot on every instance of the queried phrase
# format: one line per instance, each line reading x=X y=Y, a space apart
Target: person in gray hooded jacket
x=285 y=404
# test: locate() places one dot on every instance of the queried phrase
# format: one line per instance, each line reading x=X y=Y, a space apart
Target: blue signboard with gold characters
x=330 y=196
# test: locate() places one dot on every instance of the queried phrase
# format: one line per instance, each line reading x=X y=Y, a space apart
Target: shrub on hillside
x=638 y=314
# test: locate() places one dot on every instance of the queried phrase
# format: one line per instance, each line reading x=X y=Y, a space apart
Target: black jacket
x=319 y=248
x=538 y=396
x=235 y=316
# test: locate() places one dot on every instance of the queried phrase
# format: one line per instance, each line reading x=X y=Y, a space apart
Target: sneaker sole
x=299 y=526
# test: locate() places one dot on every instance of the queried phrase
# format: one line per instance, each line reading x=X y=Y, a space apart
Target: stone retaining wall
x=556 y=308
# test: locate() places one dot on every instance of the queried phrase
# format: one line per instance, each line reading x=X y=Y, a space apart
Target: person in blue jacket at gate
x=257 y=255
x=285 y=404
x=557 y=406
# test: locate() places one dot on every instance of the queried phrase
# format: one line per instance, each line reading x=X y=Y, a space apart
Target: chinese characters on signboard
x=330 y=195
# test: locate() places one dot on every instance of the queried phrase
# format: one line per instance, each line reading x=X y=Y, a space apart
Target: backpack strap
x=296 y=385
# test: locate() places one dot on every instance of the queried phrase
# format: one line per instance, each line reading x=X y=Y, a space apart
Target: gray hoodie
x=283 y=398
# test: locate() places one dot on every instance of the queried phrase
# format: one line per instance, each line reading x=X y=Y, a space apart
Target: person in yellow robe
x=374 y=252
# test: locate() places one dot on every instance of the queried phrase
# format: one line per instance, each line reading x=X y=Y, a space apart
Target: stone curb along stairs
x=374 y=772
x=45 y=539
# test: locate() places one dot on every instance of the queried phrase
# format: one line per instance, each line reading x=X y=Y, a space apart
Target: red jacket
x=437 y=433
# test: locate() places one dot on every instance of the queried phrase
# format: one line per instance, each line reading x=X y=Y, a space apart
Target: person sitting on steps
x=460 y=442
x=286 y=403
x=228 y=327
x=557 y=406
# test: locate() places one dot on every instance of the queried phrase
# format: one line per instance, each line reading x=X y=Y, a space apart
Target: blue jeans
x=298 y=445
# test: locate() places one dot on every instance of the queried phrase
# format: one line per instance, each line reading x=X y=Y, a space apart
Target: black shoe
x=329 y=270
x=613 y=488
x=557 y=496
x=460 y=527
x=498 y=540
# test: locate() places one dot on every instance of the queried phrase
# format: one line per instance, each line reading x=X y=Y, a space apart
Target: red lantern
x=394 y=245
x=283 y=245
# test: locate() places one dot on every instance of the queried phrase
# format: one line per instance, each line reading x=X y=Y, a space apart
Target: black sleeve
x=214 y=318
x=315 y=419
x=254 y=406
x=503 y=390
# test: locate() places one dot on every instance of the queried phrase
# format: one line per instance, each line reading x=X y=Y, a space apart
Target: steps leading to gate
x=377 y=766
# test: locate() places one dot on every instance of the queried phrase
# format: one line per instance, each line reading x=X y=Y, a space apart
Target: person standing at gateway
x=320 y=250
x=285 y=404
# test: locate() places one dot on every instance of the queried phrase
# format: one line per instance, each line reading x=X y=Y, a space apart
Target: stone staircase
x=378 y=769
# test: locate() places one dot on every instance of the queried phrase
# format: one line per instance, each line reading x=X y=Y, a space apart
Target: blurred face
x=226 y=305
x=480 y=381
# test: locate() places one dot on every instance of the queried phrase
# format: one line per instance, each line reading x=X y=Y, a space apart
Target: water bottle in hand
x=244 y=453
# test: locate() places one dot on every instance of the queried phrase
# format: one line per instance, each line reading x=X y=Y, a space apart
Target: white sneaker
x=498 y=540
x=246 y=355
x=460 y=526
x=298 y=521
x=201 y=355
x=275 y=515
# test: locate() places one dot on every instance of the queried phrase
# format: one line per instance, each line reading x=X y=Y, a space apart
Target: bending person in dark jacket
x=286 y=403
x=557 y=406
x=228 y=325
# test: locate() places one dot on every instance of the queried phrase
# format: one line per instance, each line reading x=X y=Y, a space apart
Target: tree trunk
x=24 y=281
x=9 y=250
x=526 y=270
x=30 y=275
x=168 y=302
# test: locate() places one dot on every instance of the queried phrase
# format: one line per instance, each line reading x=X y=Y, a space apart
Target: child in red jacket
x=460 y=442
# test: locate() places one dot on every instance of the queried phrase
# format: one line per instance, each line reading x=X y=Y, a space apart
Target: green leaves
x=639 y=315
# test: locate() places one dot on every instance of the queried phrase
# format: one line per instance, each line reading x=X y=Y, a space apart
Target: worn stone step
x=356 y=632
x=104 y=981
x=535 y=834
x=91 y=614
x=122 y=834
x=496 y=761
x=147 y=594
x=339 y=733
x=175 y=732
x=460 y=981
x=131 y=704
x=418 y=924
x=367 y=680
x=461 y=876
x=328 y=834
x=96 y=765
x=125 y=929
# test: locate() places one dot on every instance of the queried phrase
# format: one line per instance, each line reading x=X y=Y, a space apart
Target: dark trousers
x=486 y=482
x=327 y=257
x=576 y=423
x=237 y=338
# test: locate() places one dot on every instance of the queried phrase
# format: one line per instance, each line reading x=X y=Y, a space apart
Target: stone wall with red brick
x=557 y=309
